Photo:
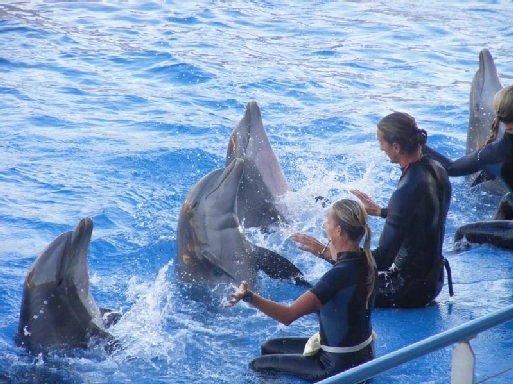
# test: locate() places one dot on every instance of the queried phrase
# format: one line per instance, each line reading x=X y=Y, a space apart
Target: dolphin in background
x=212 y=246
x=263 y=182
x=485 y=84
x=494 y=232
x=498 y=231
x=57 y=309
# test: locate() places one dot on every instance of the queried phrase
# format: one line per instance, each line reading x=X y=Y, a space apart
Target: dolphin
x=212 y=246
x=263 y=183
x=498 y=231
x=485 y=84
x=494 y=232
x=57 y=309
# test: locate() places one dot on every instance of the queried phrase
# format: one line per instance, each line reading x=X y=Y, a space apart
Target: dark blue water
x=114 y=110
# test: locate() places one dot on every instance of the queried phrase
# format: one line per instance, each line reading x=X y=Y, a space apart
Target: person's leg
x=308 y=368
x=284 y=345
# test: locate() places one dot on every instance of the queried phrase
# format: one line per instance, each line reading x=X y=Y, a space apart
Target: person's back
x=416 y=217
x=409 y=255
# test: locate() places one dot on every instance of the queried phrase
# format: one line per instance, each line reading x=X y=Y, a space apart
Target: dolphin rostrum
x=57 y=309
x=485 y=85
x=263 y=182
x=211 y=243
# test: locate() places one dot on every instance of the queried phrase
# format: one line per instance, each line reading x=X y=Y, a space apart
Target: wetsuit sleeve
x=463 y=166
x=487 y=159
x=331 y=283
x=401 y=210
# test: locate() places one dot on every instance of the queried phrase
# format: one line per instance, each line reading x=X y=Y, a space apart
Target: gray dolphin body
x=263 y=183
x=212 y=246
x=498 y=231
x=57 y=309
x=494 y=232
x=485 y=85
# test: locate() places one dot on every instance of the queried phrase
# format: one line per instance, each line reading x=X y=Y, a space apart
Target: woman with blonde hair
x=343 y=297
x=496 y=156
x=409 y=254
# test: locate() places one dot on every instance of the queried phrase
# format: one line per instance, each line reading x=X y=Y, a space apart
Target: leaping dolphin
x=211 y=243
x=57 y=309
x=485 y=84
x=263 y=182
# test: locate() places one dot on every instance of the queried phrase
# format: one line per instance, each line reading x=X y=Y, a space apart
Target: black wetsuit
x=409 y=255
x=496 y=158
x=344 y=322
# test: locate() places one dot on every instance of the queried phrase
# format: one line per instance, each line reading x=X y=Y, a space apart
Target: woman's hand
x=370 y=206
x=310 y=244
x=238 y=294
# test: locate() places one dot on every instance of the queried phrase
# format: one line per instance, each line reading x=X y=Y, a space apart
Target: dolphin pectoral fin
x=505 y=209
x=101 y=337
x=276 y=266
x=482 y=178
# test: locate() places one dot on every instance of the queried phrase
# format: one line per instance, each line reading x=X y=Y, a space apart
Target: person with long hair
x=495 y=156
x=409 y=255
x=343 y=298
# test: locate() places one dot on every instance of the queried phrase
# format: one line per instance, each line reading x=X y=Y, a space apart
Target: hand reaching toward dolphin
x=312 y=245
x=371 y=207
x=238 y=295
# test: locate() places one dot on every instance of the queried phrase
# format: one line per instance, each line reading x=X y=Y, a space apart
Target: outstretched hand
x=370 y=206
x=308 y=243
x=238 y=294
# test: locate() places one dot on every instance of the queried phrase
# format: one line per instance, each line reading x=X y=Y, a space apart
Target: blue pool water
x=115 y=109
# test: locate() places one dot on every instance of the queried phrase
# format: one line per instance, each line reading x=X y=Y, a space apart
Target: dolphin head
x=64 y=261
x=263 y=182
x=211 y=240
x=213 y=199
x=485 y=85
x=57 y=307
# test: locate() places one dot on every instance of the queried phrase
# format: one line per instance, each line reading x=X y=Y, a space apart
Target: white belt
x=355 y=348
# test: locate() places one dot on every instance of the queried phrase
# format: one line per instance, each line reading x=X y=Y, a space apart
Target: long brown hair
x=401 y=128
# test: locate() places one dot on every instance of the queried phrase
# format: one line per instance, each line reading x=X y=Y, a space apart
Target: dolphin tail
x=276 y=266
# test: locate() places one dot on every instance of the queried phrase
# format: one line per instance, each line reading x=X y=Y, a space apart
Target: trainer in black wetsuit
x=343 y=299
x=410 y=246
x=496 y=157
x=409 y=256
